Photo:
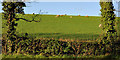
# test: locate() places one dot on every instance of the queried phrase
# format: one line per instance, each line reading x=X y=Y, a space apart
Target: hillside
x=77 y=27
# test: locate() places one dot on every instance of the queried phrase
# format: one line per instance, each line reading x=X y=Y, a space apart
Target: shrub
x=51 y=47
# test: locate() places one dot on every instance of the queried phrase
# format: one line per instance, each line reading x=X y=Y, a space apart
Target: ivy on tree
x=108 y=26
x=10 y=9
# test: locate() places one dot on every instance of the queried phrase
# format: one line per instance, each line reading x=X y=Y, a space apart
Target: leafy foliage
x=10 y=9
x=51 y=47
x=108 y=26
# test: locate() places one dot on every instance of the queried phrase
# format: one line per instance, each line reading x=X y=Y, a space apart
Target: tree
x=108 y=26
x=10 y=10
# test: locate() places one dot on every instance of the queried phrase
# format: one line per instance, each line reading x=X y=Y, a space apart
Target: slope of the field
x=77 y=27
x=0 y=23
x=118 y=26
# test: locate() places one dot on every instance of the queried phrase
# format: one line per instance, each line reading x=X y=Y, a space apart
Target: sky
x=62 y=0
x=69 y=8
x=60 y=8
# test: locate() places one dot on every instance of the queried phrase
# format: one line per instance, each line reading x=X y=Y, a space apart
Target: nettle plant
x=10 y=10
x=108 y=26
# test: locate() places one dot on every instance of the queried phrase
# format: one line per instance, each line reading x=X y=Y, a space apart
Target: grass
x=77 y=27
x=0 y=56
x=118 y=26
x=0 y=23
x=50 y=24
x=21 y=56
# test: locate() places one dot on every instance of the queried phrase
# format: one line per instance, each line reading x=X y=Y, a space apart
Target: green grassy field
x=77 y=27
x=118 y=27
x=0 y=23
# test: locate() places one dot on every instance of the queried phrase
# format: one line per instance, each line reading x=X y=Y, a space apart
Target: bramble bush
x=51 y=47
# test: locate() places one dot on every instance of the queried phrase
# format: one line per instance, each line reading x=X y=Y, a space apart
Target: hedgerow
x=51 y=47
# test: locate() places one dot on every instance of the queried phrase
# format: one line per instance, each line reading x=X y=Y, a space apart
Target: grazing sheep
x=100 y=25
x=57 y=15
x=86 y=16
x=70 y=16
x=61 y=15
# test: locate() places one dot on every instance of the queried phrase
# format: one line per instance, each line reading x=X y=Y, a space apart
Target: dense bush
x=51 y=47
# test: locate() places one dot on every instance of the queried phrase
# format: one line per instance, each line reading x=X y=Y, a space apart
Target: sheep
x=57 y=15
x=100 y=25
x=86 y=16
x=61 y=15
x=70 y=16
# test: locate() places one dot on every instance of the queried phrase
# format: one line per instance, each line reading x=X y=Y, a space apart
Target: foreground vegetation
x=33 y=57
x=51 y=47
x=57 y=49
